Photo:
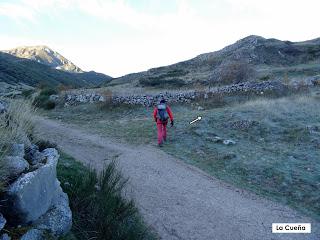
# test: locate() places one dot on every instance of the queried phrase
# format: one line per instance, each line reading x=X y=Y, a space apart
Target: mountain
x=41 y=62
x=45 y=55
x=251 y=58
x=15 y=71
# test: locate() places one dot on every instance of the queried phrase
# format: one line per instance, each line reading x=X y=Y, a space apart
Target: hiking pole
x=197 y=119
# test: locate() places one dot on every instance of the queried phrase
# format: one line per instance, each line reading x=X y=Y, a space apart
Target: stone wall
x=84 y=96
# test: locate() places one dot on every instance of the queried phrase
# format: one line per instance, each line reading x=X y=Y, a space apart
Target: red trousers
x=162 y=132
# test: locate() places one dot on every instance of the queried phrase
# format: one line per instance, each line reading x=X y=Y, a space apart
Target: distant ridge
x=251 y=58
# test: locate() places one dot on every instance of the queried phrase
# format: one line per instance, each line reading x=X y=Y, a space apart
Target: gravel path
x=177 y=200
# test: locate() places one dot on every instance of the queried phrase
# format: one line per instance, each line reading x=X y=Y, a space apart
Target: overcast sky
x=117 y=37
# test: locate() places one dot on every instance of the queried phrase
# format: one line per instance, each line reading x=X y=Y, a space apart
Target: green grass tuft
x=99 y=209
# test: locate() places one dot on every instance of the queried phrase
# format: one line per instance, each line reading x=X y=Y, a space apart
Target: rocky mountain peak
x=45 y=55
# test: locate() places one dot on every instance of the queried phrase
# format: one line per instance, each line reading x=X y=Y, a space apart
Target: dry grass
x=282 y=106
x=16 y=126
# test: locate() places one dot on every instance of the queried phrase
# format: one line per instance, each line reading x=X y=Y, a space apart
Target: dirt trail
x=177 y=200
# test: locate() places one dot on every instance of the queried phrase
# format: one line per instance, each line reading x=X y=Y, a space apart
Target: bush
x=99 y=210
x=27 y=93
x=44 y=144
x=161 y=82
x=233 y=73
x=43 y=99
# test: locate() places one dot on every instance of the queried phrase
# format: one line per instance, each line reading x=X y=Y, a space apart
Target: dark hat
x=163 y=100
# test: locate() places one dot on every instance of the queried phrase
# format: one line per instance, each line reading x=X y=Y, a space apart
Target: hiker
x=161 y=115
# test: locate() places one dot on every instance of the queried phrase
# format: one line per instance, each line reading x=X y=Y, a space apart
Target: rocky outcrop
x=58 y=220
x=32 y=193
x=34 y=197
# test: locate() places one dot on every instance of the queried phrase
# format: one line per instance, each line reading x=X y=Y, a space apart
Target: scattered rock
x=5 y=237
x=200 y=108
x=200 y=152
x=3 y=222
x=58 y=220
x=241 y=124
x=313 y=129
x=215 y=139
x=17 y=150
x=32 y=193
x=33 y=234
x=229 y=142
x=16 y=165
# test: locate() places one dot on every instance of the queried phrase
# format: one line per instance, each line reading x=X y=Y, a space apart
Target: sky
x=117 y=37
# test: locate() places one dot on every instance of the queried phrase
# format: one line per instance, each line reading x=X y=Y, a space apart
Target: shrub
x=265 y=78
x=48 y=91
x=44 y=144
x=99 y=210
x=27 y=93
x=43 y=99
x=161 y=82
x=233 y=72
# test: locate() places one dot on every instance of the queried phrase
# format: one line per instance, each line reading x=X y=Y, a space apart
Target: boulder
x=3 y=222
x=17 y=150
x=58 y=220
x=31 y=195
x=16 y=165
x=33 y=234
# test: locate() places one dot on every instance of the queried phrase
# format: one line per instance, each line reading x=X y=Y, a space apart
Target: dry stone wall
x=83 y=96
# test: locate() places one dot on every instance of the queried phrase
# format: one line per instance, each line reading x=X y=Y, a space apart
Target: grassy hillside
x=277 y=141
x=15 y=70
x=251 y=58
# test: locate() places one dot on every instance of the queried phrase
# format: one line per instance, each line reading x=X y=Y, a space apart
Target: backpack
x=162 y=113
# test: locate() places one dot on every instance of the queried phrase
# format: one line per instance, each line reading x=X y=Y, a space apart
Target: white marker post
x=198 y=119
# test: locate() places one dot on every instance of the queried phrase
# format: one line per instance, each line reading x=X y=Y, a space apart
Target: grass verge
x=99 y=209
